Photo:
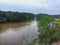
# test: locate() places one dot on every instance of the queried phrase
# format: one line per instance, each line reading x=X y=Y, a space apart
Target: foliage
x=38 y=16
x=48 y=30
x=10 y=16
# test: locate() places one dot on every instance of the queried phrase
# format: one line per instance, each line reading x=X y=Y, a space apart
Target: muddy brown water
x=18 y=33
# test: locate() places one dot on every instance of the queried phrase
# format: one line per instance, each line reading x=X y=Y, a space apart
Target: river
x=18 y=34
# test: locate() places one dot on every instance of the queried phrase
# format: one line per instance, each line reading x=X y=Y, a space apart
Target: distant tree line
x=55 y=16
x=9 y=16
x=39 y=16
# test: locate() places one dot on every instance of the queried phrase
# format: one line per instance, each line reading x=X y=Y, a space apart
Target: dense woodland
x=9 y=16
x=48 y=28
x=38 y=16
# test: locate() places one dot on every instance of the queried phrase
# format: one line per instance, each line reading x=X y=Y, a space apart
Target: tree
x=48 y=33
x=9 y=16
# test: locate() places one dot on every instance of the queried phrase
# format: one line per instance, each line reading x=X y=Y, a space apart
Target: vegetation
x=55 y=16
x=10 y=16
x=39 y=16
x=48 y=29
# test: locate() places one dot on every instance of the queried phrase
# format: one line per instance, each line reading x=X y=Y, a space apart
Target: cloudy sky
x=32 y=6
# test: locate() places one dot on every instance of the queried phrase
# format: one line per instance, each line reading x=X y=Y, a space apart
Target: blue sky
x=32 y=6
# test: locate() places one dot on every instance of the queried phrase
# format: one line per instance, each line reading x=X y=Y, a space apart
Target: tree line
x=9 y=16
x=38 y=16
x=48 y=28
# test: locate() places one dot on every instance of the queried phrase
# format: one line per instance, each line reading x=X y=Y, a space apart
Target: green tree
x=9 y=16
x=48 y=33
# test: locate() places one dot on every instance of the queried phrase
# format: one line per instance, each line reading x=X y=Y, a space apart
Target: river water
x=16 y=34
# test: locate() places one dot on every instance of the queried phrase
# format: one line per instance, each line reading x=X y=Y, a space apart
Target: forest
x=48 y=28
x=38 y=16
x=9 y=16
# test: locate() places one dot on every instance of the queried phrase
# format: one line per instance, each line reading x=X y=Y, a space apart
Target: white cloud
x=31 y=5
x=37 y=3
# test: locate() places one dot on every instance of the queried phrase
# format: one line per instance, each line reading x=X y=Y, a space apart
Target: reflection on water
x=17 y=35
x=6 y=26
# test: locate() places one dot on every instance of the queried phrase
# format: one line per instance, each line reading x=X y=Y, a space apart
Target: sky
x=31 y=6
